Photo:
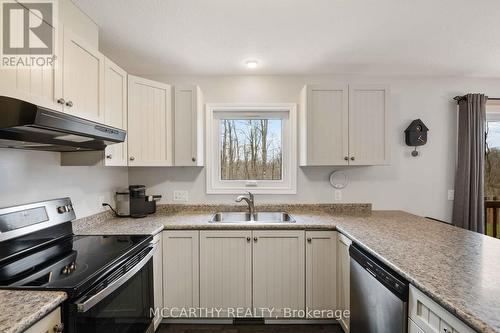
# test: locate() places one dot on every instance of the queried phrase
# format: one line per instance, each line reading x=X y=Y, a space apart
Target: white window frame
x=285 y=111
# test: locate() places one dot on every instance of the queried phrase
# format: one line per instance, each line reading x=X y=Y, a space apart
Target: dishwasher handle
x=380 y=271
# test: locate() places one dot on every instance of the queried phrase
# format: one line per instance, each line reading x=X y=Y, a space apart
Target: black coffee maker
x=141 y=204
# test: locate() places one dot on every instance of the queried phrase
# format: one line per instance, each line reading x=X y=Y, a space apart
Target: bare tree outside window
x=492 y=161
x=251 y=149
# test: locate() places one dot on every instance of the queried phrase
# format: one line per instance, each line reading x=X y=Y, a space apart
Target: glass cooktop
x=70 y=264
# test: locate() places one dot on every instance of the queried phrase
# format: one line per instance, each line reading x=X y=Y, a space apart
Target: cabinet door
x=188 y=126
x=82 y=78
x=115 y=110
x=50 y=323
x=343 y=285
x=430 y=317
x=180 y=271
x=158 y=277
x=32 y=84
x=278 y=271
x=368 y=125
x=321 y=271
x=324 y=125
x=226 y=270
x=149 y=123
x=413 y=328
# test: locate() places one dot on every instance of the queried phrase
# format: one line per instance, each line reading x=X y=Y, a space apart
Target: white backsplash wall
x=28 y=176
x=418 y=185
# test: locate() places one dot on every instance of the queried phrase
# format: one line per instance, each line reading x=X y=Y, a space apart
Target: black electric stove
x=108 y=279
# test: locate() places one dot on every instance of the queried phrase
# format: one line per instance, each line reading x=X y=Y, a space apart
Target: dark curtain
x=468 y=206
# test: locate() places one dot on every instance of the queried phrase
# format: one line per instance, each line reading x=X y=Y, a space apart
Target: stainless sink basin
x=260 y=217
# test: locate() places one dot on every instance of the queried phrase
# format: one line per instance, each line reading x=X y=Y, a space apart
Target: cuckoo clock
x=416 y=135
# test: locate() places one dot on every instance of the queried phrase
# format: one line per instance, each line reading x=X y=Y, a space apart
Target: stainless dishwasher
x=379 y=296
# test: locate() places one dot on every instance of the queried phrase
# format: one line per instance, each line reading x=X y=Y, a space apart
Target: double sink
x=260 y=217
x=251 y=216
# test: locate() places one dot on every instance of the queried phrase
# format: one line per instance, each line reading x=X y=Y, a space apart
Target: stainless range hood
x=28 y=126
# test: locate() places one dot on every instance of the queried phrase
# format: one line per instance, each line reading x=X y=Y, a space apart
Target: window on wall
x=492 y=157
x=251 y=148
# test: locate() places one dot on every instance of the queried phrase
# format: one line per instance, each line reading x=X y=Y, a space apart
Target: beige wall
x=418 y=185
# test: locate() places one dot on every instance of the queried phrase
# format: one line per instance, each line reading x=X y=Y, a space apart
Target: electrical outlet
x=181 y=196
x=451 y=195
x=338 y=195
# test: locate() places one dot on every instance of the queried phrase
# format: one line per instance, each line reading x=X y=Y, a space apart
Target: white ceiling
x=383 y=37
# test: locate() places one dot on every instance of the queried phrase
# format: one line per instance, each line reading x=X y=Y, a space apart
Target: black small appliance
x=141 y=204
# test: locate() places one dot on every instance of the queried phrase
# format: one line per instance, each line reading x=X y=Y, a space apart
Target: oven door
x=121 y=302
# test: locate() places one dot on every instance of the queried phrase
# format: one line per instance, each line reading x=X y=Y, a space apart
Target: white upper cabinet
x=188 y=126
x=324 y=125
x=368 y=125
x=31 y=84
x=115 y=110
x=149 y=123
x=344 y=125
x=321 y=270
x=82 y=88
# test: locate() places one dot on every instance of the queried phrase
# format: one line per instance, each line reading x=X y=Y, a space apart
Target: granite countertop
x=182 y=217
x=19 y=309
x=457 y=268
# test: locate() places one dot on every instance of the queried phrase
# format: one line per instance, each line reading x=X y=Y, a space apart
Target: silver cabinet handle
x=59 y=328
x=352 y=158
x=132 y=158
x=61 y=101
x=109 y=156
x=69 y=104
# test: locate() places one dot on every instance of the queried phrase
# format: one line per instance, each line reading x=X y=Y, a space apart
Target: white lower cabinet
x=50 y=323
x=413 y=328
x=233 y=272
x=343 y=276
x=158 y=278
x=180 y=272
x=321 y=272
x=430 y=317
x=226 y=270
x=278 y=271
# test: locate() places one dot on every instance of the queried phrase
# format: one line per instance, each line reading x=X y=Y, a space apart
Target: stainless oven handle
x=92 y=301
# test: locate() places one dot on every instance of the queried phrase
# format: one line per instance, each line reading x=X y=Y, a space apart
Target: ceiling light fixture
x=252 y=64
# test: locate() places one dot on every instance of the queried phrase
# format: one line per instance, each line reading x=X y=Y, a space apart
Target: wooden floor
x=178 y=328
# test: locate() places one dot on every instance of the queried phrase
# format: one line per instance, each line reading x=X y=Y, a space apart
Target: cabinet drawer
x=431 y=317
x=48 y=324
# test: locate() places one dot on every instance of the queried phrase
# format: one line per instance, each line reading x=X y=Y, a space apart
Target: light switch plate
x=451 y=194
x=338 y=195
x=181 y=196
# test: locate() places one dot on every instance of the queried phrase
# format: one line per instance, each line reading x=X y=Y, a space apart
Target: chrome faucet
x=250 y=201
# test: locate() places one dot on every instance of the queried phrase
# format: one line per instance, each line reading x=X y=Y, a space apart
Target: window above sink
x=251 y=147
